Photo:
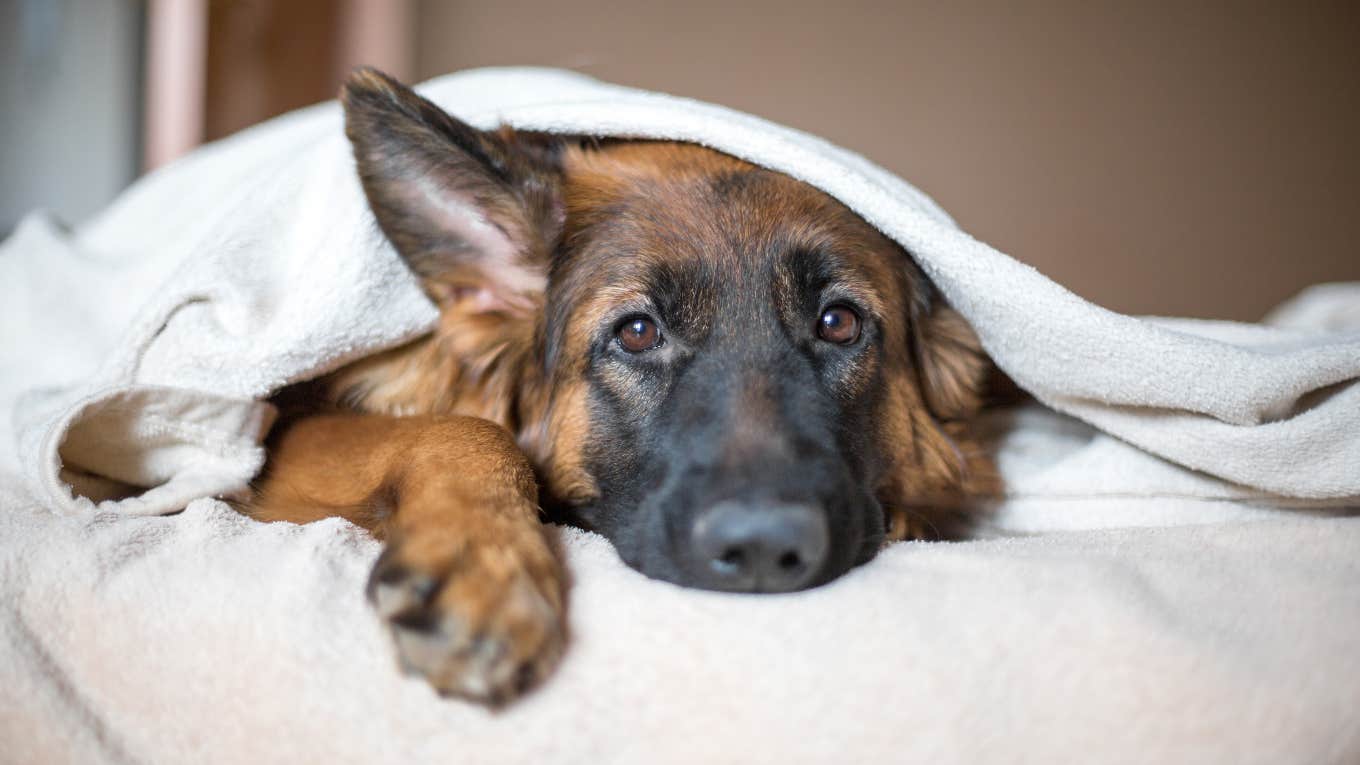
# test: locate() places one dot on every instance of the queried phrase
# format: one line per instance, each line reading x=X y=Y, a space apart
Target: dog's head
x=725 y=371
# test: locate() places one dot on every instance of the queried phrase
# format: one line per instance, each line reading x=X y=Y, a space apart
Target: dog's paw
x=481 y=619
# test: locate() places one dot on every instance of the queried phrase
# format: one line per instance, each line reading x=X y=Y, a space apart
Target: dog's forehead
x=647 y=211
x=703 y=240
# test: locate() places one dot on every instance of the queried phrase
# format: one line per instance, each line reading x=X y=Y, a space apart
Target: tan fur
x=449 y=495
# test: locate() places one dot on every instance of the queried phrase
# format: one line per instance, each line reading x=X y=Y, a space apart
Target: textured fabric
x=207 y=637
x=1171 y=577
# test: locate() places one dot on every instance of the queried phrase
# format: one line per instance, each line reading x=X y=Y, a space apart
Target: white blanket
x=206 y=637
x=137 y=349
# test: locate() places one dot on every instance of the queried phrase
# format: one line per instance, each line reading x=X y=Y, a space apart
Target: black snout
x=761 y=547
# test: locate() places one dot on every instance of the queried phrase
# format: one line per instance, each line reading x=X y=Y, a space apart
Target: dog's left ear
x=474 y=213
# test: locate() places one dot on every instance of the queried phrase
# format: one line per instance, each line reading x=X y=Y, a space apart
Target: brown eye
x=638 y=334
x=839 y=325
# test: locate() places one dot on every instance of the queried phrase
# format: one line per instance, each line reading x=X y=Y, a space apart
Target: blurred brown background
x=1178 y=158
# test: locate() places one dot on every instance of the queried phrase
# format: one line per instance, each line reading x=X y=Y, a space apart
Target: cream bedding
x=1171 y=576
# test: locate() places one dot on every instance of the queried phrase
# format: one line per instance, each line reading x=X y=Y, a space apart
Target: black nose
x=761 y=547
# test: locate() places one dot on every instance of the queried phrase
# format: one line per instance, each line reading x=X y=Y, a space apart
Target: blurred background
x=1184 y=158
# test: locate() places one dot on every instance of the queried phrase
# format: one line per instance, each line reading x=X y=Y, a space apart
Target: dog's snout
x=765 y=547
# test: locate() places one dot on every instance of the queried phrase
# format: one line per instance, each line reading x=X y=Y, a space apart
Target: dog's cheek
x=558 y=446
x=916 y=461
x=935 y=470
x=952 y=364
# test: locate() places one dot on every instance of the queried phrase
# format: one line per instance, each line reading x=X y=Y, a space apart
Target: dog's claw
x=486 y=626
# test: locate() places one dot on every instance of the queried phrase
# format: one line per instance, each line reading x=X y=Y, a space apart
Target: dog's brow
x=674 y=280
x=819 y=270
x=811 y=267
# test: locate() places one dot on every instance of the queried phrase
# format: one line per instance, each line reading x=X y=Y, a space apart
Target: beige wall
x=1190 y=159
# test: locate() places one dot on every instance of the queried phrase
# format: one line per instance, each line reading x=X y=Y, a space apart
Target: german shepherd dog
x=724 y=371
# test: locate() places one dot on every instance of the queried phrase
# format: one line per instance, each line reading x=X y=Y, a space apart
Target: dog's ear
x=951 y=364
x=474 y=213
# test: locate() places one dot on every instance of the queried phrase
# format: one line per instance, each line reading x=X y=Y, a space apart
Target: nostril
x=733 y=557
x=790 y=561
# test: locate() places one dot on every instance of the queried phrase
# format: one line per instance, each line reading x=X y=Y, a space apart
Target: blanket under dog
x=140 y=346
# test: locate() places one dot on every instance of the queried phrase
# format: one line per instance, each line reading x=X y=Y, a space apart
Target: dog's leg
x=467 y=582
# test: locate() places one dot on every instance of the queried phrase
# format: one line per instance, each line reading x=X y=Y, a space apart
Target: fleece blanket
x=1171 y=574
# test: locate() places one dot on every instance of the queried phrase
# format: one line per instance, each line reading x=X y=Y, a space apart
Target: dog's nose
x=761 y=547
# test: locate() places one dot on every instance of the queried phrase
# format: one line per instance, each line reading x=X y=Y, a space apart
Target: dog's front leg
x=467 y=582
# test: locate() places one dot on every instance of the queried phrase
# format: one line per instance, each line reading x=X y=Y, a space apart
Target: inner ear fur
x=474 y=213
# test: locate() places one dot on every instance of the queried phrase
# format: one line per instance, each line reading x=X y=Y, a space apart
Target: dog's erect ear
x=950 y=361
x=474 y=213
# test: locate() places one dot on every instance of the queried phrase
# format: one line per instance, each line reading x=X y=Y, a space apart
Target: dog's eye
x=637 y=334
x=839 y=325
